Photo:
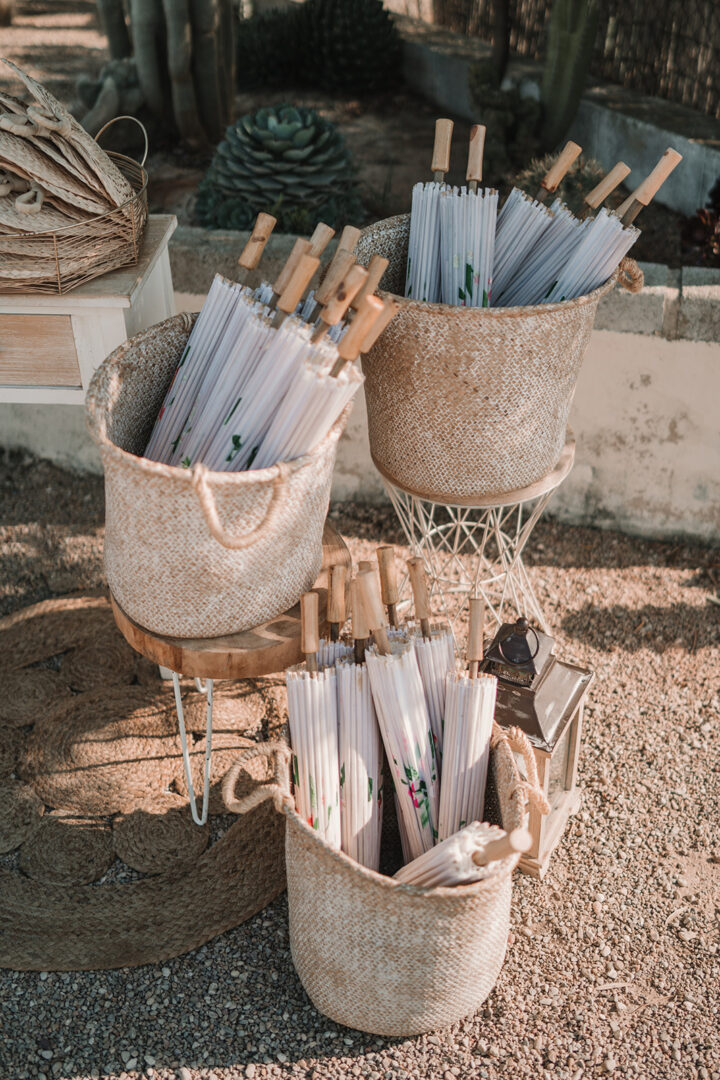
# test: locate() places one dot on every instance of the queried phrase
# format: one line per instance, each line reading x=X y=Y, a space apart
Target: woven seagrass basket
x=385 y=957
x=189 y=552
x=57 y=262
x=467 y=403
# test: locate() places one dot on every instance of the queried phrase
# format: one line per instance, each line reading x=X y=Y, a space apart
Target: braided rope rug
x=100 y=863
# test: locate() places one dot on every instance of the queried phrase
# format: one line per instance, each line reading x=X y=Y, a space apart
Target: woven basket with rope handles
x=376 y=954
x=467 y=403
x=189 y=552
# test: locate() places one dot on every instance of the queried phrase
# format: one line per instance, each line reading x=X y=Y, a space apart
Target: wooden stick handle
x=388 y=581
x=622 y=210
x=441 y=149
x=300 y=247
x=569 y=153
x=421 y=596
x=309 y=628
x=376 y=268
x=298 y=283
x=320 y=238
x=386 y=316
x=388 y=574
x=336 y=271
x=475 y=153
x=252 y=252
x=370 y=598
x=360 y=626
x=352 y=340
x=607 y=185
x=349 y=238
x=476 y=634
x=338 y=304
x=507 y=844
x=336 y=595
x=654 y=180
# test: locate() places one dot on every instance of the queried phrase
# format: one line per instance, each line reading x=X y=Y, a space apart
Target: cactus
x=571 y=37
x=184 y=55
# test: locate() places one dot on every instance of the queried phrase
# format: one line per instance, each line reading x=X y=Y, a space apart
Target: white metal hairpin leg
x=201 y=818
x=494 y=533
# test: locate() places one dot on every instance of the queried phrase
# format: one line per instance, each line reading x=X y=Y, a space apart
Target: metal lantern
x=544 y=697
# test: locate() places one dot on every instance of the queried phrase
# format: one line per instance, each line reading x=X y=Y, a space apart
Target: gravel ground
x=613 y=958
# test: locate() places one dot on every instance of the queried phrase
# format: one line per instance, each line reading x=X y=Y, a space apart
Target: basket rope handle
x=630 y=276
x=278 y=790
x=139 y=124
x=530 y=789
x=209 y=508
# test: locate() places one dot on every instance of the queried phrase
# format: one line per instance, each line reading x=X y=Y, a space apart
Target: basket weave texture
x=193 y=553
x=385 y=957
x=58 y=261
x=469 y=402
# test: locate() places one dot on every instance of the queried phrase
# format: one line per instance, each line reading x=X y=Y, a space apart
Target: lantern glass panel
x=559 y=771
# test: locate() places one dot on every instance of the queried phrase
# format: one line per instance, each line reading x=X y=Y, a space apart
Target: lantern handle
x=532 y=654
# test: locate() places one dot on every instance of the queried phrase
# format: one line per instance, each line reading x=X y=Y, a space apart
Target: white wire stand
x=492 y=531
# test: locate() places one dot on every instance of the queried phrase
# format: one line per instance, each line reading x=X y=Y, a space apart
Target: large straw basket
x=465 y=403
x=382 y=956
x=57 y=262
x=188 y=552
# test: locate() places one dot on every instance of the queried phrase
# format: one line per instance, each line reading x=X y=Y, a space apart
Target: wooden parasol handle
x=360 y=628
x=475 y=156
x=352 y=340
x=336 y=271
x=507 y=844
x=476 y=635
x=376 y=268
x=441 y=149
x=253 y=250
x=349 y=238
x=607 y=185
x=421 y=596
x=369 y=588
x=321 y=237
x=300 y=247
x=298 y=283
x=388 y=581
x=336 y=612
x=310 y=629
x=553 y=177
x=386 y=316
x=346 y=289
x=649 y=187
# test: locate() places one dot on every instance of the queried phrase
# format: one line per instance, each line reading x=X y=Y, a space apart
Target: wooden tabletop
x=263 y=650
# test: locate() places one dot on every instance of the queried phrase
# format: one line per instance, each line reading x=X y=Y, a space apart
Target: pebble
x=250 y=1071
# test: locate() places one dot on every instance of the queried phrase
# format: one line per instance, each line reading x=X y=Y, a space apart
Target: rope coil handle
x=529 y=789
x=630 y=276
x=210 y=513
x=278 y=790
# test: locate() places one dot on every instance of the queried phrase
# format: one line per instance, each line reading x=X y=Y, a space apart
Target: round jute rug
x=100 y=863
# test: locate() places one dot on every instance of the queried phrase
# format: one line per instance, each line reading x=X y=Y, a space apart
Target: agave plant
x=288 y=161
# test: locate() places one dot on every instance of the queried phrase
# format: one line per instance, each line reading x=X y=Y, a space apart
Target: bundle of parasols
x=466 y=250
x=395 y=692
x=266 y=372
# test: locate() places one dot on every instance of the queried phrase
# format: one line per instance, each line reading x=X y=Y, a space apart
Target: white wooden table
x=51 y=345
